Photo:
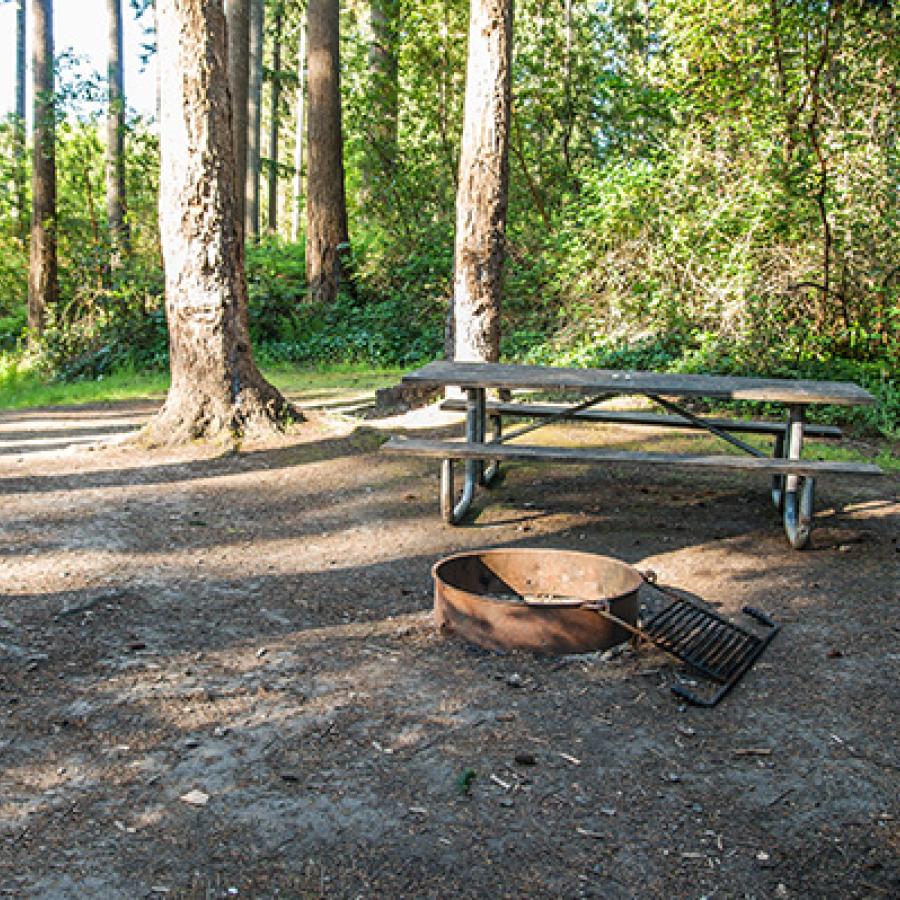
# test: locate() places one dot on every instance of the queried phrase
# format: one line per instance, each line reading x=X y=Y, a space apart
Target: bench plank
x=487 y=451
x=629 y=417
x=719 y=387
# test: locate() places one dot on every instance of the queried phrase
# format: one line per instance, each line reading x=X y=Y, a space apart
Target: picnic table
x=793 y=478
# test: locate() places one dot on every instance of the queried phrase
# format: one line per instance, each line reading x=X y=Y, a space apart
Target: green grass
x=294 y=380
x=21 y=386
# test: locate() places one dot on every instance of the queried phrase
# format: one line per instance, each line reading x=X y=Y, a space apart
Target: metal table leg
x=782 y=442
x=493 y=471
x=475 y=427
x=799 y=491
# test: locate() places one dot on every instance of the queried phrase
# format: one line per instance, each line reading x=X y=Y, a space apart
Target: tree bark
x=326 y=205
x=254 y=118
x=239 y=84
x=42 y=283
x=274 y=122
x=297 y=187
x=19 y=123
x=115 y=131
x=216 y=392
x=481 y=197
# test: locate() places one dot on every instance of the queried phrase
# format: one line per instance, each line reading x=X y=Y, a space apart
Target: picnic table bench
x=793 y=478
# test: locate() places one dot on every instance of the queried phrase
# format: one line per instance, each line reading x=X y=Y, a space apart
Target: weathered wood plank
x=486 y=451
x=718 y=387
x=629 y=417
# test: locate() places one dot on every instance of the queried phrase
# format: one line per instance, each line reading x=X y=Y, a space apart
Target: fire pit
x=532 y=599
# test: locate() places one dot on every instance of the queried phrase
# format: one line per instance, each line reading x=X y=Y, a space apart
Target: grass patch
x=296 y=380
x=21 y=386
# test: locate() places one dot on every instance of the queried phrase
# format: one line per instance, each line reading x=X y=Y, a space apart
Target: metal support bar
x=799 y=492
x=561 y=415
x=782 y=441
x=452 y=514
x=700 y=422
x=493 y=470
x=477 y=405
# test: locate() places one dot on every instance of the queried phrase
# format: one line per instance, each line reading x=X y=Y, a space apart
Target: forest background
x=695 y=185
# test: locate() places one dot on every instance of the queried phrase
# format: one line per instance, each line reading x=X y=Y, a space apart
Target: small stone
x=261 y=652
x=762 y=856
x=781 y=890
x=515 y=680
x=195 y=798
x=524 y=758
x=672 y=777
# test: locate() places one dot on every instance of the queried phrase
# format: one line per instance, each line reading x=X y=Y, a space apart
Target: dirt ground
x=255 y=628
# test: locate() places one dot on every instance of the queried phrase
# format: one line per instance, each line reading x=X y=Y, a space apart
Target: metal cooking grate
x=713 y=646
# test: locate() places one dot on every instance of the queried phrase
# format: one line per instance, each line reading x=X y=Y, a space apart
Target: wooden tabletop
x=588 y=381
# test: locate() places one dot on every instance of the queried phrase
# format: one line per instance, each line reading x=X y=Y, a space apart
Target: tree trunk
x=481 y=197
x=239 y=85
x=42 y=285
x=254 y=118
x=273 y=124
x=115 y=132
x=326 y=206
x=19 y=123
x=216 y=391
x=297 y=190
x=380 y=162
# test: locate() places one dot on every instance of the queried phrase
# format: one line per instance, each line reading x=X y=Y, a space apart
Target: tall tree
x=254 y=118
x=238 y=82
x=326 y=205
x=274 y=119
x=482 y=192
x=383 y=72
x=42 y=283
x=216 y=389
x=300 y=106
x=115 y=129
x=19 y=124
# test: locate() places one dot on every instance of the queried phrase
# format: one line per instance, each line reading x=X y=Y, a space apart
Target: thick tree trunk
x=42 y=285
x=115 y=131
x=481 y=197
x=297 y=187
x=326 y=207
x=274 y=122
x=19 y=123
x=216 y=391
x=254 y=119
x=239 y=85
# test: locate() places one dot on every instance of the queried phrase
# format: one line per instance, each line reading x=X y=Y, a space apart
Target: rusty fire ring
x=530 y=599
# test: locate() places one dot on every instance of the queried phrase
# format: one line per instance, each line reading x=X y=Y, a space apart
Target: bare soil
x=256 y=627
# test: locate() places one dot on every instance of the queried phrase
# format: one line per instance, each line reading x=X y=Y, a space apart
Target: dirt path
x=256 y=628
